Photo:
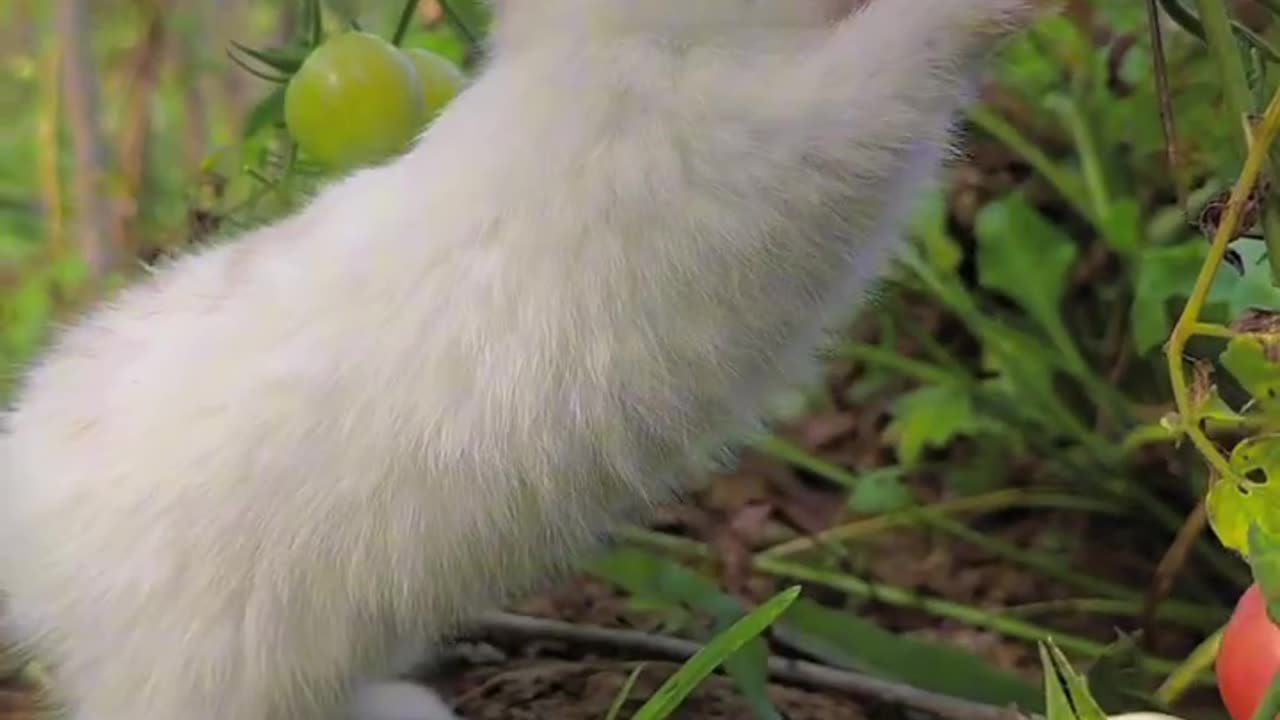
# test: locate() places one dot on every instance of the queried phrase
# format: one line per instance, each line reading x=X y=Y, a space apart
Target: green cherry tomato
x=1249 y=656
x=356 y=100
x=441 y=79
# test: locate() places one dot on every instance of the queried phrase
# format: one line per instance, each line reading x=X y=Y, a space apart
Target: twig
x=1160 y=66
x=503 y=627
x=1175 y=558
x=468 y=33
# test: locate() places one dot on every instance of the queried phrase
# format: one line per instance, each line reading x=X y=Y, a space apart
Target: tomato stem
x=402 y=25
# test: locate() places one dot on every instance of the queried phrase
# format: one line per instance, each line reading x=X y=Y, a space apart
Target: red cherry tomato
x=1249 y=656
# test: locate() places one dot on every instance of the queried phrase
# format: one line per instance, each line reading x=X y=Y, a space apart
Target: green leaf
x=661 y=581
x=1122 y=227
x=1254 y=361
x=1264 y=560
x=287 y=59
x=1057 y=706
x=1166 y=274
x=1067 y=695
x=269 y=112
x=881 y=491
x=933 y=416
x=1254 y=288
x=938 y=248
x=1026 y=257
x=674 y=691
x=1116 y=679
x=1253 y=496
x=841 y=638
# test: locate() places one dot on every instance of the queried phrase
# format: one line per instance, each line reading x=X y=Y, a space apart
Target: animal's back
x=261 y=472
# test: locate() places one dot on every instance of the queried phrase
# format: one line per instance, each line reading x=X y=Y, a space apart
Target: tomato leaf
x=1166 y=274
x=1253 y=359
x=1252 y=496
x=1264 y=560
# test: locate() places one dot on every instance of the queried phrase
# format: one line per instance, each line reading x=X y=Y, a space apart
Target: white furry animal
x=275 y=470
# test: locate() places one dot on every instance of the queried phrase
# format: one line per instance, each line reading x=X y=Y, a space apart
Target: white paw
x=400 y=700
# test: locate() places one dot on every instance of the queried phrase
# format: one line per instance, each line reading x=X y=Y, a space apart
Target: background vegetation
x=996 y=457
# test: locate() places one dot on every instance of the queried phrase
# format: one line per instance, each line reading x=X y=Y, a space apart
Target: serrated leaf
x=933 y=416
x=841 y=638
x=1026 y=257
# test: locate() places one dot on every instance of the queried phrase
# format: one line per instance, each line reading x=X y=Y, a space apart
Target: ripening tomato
x=355 y=100
x=441 y=79
x=1249 y=656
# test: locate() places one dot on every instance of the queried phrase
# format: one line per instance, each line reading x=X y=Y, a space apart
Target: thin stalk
x=1187 y=321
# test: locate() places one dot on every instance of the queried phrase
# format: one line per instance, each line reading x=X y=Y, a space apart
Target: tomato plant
x=356 y=100
x=441 y=79
x=1249 y=656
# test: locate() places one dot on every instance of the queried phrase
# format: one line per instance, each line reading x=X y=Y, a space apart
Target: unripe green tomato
x=356 y=100
x=441 y=80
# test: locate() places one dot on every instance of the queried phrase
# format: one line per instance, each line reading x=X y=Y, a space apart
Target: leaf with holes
x=1252 y=496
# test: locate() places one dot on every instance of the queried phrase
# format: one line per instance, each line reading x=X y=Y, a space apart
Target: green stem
x=1225 y=51
x=885 y=358
x=1183 y=677
x=402 y=25
x=1060 y=179
x=1270 y=704
x=470 y=35
x=1201 y=619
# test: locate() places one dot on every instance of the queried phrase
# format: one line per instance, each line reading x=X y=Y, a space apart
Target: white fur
x=254 y=480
